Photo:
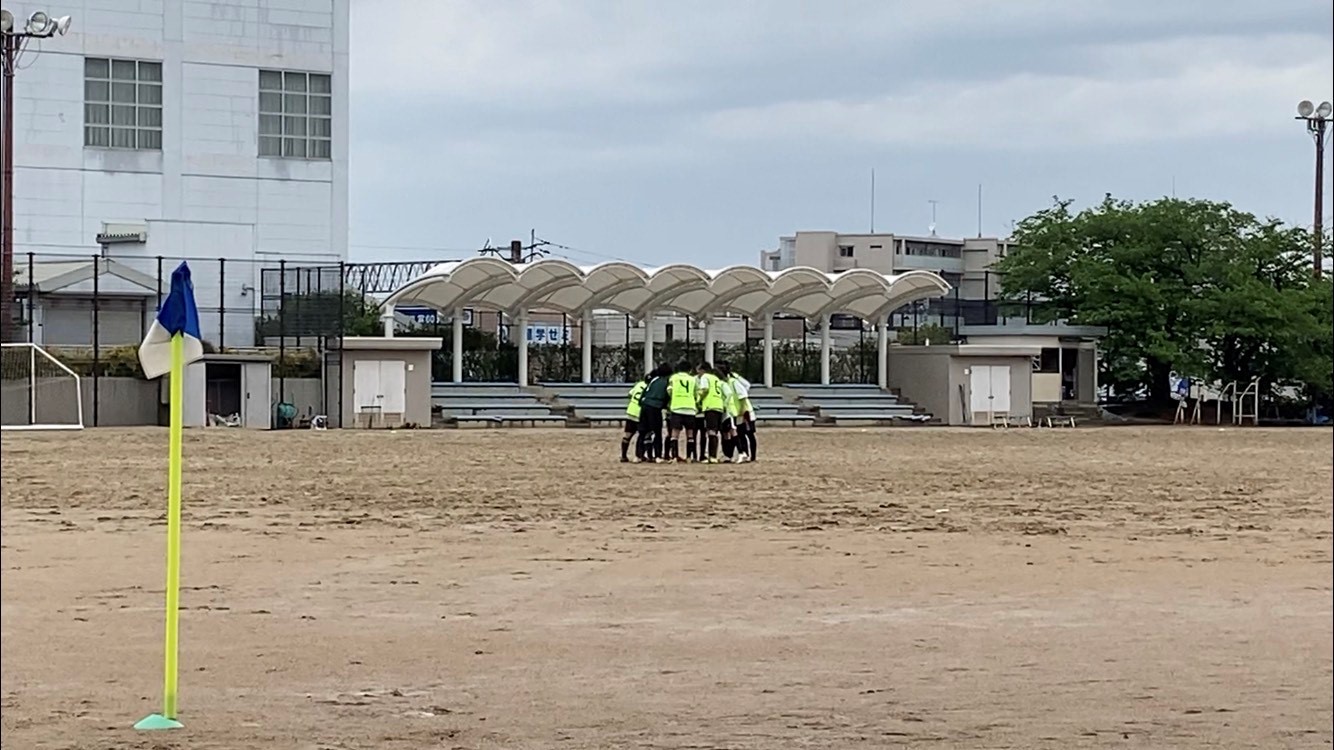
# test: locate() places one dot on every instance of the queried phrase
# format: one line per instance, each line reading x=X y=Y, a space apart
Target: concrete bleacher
x=490 y=404
x=853 y=403
x=604 y=403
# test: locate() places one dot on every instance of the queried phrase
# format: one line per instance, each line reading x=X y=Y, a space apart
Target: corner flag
x=172 y=341
x=178 y=314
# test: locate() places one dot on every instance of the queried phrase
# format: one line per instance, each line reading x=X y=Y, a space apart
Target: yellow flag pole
x=167 y=719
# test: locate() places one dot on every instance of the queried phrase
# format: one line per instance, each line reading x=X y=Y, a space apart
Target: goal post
x=38 y=391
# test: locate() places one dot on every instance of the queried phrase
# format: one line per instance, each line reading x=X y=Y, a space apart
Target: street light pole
x=1317 y=123
x=40 y=25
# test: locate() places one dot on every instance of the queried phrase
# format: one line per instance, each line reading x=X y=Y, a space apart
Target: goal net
x=37 y=391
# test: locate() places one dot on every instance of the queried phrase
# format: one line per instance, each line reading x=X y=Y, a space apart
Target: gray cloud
x=702 y=131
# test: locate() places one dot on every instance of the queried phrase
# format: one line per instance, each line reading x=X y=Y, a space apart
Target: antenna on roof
x=933 y=216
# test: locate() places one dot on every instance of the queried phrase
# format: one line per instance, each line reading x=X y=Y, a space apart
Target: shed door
x=1000 y=388
x=381 y=385
x=365 y=385
x=393 y=386
x=979 y=385
x=256 y=395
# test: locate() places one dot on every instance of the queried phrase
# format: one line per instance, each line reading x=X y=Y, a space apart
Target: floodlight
x=38 y=23
x=1305 y=108
x=1324 y=110
x=62 y=24
x=6 y=22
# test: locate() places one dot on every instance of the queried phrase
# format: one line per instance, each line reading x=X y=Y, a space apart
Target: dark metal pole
x=1317 y=252
x=222 y=303
x=97 y=334
x=282 y=331
x=342 y=332
x=159 y=284
x=10 y=46
x=32 y=300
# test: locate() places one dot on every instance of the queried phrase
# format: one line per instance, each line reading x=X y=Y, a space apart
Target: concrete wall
x=306 y=394
x=206 y=194
x=120 y=402
x=922 y=376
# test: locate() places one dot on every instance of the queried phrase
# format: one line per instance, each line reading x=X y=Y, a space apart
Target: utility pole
x=13 y=42
x=1317 y=123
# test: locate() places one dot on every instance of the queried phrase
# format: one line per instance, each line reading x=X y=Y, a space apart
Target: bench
x=1058 y=420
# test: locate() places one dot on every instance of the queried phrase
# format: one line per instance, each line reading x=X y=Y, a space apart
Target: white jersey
x=729 y=405
x=740 y=386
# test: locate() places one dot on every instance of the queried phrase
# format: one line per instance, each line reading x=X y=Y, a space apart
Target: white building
x=195 y=129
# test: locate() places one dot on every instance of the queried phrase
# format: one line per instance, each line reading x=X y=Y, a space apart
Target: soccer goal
x=37 y=391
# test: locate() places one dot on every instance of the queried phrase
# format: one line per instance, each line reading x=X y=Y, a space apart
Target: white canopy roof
x=560 y=286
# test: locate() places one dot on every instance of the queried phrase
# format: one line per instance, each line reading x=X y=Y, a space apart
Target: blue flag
x=178 y=314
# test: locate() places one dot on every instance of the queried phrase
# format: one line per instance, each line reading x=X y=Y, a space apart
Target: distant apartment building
x=964 y=263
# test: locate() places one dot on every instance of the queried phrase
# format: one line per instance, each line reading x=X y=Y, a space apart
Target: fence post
x=342 y=331
x=222 y=303
x=282 y=331
x=97 y=334
x=32 y=300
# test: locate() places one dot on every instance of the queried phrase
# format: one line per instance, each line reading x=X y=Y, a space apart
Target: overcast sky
x=701 y=131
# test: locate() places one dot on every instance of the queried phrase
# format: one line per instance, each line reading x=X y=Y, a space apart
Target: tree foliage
x=1192 y=286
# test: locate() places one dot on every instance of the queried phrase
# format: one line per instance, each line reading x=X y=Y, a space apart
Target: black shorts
x=631 y=426
x=713 y=420
x=700 y=423
x=729 y=425
x=681 y=421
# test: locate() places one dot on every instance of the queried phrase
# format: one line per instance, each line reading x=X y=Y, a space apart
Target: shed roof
x=73 y=277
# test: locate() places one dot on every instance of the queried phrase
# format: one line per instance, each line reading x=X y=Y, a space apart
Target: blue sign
x=541 y=334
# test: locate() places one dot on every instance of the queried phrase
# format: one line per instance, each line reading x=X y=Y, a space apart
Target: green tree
x=1192 y=286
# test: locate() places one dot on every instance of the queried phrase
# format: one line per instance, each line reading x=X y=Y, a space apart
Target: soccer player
x=633 y=411
x=745 y=420
x=734 y=446
x=682 y=409
x=712 y=404
x=651 y=403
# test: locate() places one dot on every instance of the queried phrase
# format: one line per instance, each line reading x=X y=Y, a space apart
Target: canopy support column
x=825 y=346
x=457 y=360
x=586 y=347
x=387 y=320
x=648 y=341
x=521 y=326
x=882 y=352
x=708 y=340
x=769 y=350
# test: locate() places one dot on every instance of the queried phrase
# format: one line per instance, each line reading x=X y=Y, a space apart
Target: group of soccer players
x=709 y=406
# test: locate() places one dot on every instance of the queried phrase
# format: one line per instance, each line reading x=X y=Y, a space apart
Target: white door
x=256 y=395
x=393 y=386
x=365 y=385
x=1000 y=389
x=979 y=387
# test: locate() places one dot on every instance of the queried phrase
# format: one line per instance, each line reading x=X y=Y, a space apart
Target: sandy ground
x=1128 y=588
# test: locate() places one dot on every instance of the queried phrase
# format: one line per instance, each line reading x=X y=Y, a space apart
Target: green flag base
x=157 y=721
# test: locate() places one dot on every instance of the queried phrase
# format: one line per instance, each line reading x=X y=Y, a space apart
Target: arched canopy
x=560 y=286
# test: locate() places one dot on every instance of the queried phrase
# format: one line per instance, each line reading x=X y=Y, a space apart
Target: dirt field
x=1128 y=588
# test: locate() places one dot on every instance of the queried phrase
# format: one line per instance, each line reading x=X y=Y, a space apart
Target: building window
x=295 y=115
x=122 y=104
x=932 y=249
x=845 y=251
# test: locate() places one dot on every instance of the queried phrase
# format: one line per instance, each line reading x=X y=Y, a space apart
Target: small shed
x=58 y=300
x=231 y=390
x=966 y=384
x=386 y=381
